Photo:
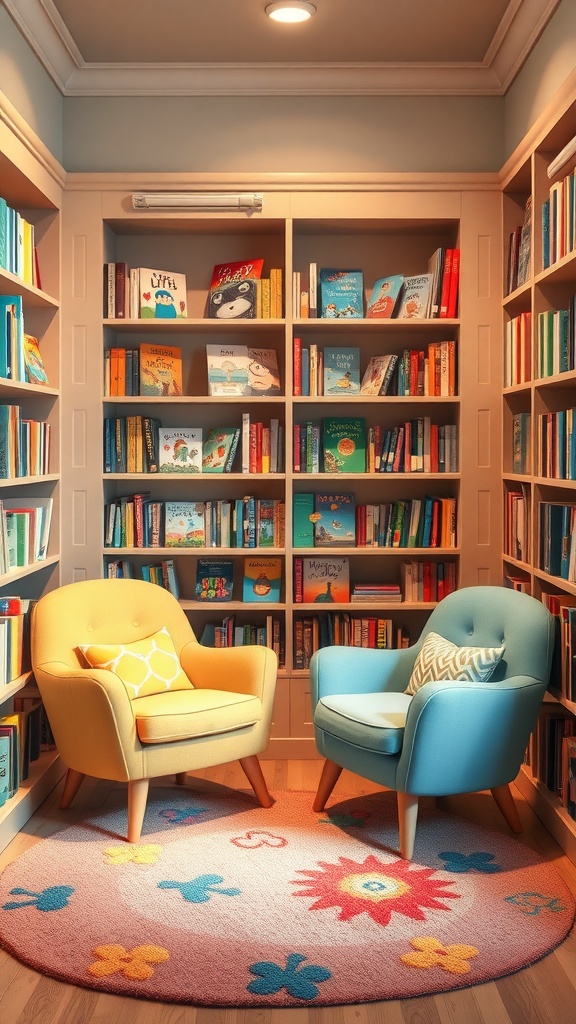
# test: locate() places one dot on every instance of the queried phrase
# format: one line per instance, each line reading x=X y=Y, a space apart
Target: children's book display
x=415 y=301
x=325 y=580
x=341 y=293
x=334 y=520
x=158 y=294
x=184 y=524
x=384 y=297
x=219 y=449
x=344 y=444
x=214 y=579
x=341 y=371
x=233 y=291
x=241 y=370
x=160 y=370
x=180 y=449
x=262 y=579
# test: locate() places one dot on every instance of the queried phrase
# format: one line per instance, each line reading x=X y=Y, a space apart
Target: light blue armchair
x=450 y=736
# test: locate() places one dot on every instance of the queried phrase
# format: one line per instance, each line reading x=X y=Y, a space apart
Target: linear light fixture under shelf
x=201 y=202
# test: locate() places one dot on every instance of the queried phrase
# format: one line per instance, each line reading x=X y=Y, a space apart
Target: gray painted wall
x=29 y=88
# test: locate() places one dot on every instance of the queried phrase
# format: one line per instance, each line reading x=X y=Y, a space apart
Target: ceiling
x=230 y=47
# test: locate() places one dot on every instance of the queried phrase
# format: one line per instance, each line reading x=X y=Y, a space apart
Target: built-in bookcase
x=393 y=227
x=542 y=402
x=31 y=183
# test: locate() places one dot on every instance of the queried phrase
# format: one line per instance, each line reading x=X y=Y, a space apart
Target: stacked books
x=376 y=593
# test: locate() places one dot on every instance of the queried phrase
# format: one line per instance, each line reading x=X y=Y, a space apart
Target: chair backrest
x=492 y=616
x=107 y=611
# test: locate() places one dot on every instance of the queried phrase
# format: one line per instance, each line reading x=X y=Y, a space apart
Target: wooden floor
x=542 y=994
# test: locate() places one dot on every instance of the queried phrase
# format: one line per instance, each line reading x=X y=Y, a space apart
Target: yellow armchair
x=131 y=695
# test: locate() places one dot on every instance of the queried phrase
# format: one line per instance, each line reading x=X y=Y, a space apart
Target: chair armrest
x=250 y=669
x=359 y=670
x=463 y=737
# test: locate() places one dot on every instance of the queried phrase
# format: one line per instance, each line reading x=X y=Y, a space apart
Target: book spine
x=297 y=367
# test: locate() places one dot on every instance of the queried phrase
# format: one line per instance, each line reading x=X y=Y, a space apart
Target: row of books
x=139 y=521
x=327 y=580
x=521 y=442
x=520 y=251
x=24 y=444
x=332 y=519
x=331 y=292
x=230 y=633
x=24 y=734
x=426 y=580
x=237 y=290
x=556 y=340
x=311 y=632
x=563 y=673
x=551 y=754
x=335 y=371
x=559 y=220
x=517 y=524
x=14 y=638
x=261 y=580
x=558 y=539
x=17 y=245
x=161 y=573
x=24 y=531
x=20 y=357
x=140 y=444
x=557 y=444
x=518 y=350
x=347 y=445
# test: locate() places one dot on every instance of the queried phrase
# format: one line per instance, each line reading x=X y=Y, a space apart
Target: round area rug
x=223 y=902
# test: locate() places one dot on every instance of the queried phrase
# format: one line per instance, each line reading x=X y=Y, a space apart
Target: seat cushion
x=441 y=659
x=145 y=666
x=374 y=721
x=189 y=714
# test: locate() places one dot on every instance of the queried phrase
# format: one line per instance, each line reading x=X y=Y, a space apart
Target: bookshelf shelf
x=7 y=579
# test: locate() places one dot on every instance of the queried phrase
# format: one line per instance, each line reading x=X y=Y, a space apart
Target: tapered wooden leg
x=181 y=778
x=505 y=800
x=407 y=818
x=137 y=796
x=331 y=772
x=72 y=784
x=253 y=772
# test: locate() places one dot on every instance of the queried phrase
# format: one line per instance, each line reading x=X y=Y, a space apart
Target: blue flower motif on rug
x=298 y=981
x=56 y=897
x=182 y=815
x=200 y=889
x=460 y=863
x=533 y=903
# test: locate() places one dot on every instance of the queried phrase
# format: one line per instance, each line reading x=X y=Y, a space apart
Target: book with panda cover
x=233 y=291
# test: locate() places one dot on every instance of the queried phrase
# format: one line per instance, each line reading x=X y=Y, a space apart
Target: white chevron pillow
x=441 y=659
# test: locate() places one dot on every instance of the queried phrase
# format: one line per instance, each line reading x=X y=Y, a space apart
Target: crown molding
x=46 y=33
x=26 y=142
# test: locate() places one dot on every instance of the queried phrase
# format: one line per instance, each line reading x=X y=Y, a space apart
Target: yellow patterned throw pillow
x=441 y=659
x=145 y=666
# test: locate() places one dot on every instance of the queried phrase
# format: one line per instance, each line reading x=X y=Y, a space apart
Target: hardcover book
x=219 y=449
x=214 y=579
x=325 y=580
x=375 y=375
x=303 y=520
x=35 y=369
x=233 y=291
x=184 y=524
x=334 y=520
x=262 y=579
x=341 y=371
x=160 y=294
x=416 y=297
x=263 y=375
x=344 y=444
x=341 y=293
x=160 y=370
x=180 y=450
x=227 y=369
x=384 y=297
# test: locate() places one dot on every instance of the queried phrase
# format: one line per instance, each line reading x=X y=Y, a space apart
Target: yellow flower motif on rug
x=133 y=964
x=133 y=854
x=432 y=953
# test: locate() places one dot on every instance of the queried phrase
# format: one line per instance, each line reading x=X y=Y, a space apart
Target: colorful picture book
x=263 y=373
x=35 y=369
x=325 y=580
x=344 y=444
x=384 y=297
x=184 y=524
x=160 y=370
x=233 y=291
x=219 y=449
x=341 y=371
x=262 y=579
x=374 y=375
x=242 y=370
x=341 y=293
x=334 y=520
x=214 y=579
x=158 y=294
x=180 y=450
x=416 y=297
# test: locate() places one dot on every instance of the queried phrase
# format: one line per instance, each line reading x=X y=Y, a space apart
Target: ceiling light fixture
x=199 y=201
x=290 y=11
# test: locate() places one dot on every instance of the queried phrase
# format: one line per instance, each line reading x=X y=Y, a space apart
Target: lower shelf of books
x=549 y=809
x=44 y=773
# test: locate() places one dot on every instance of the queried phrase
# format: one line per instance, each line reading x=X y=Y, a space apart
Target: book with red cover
x=233 y=291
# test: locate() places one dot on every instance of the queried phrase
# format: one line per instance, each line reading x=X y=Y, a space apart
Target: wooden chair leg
x=253 y=771
x=181 y=778
x=407 y=818
x=331 y=772
x=72 y=784
x=137 y=797
x=505 y=801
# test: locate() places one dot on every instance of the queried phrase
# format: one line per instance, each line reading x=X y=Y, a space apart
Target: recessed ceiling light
x=290 y=11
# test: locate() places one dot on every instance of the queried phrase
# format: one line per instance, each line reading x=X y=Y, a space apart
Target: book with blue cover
x=334 y=520
x=384 y=297
x=341 y=371
x=341 y=293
